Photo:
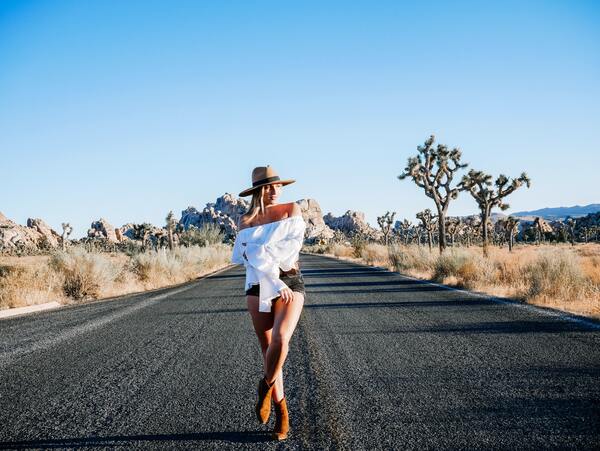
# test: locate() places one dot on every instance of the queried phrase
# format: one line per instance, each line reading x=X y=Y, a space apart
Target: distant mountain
x=559 y=212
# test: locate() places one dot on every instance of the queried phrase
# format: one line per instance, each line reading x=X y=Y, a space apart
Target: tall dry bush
x=375 y=254
x=78 y=274
x=463 y=268
x=358 y=243
x=411 y=258
x=156 y=268
x=28 y=285
x=555 y=274
x=340 y=250
x=84 y=273
x=206 y=235
x=316 y=248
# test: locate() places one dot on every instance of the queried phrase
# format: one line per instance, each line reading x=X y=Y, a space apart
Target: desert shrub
x=555 y=274
x=465 y=268
x=204 y=258
x=28 y=284
x=340 y=250
x=375 y=253
x=591 y=269
x=315 y=248
x=406 y=258
x=182 y=263
x=206 y=235
x=84 y=273
x=156 y=265
x=130 y=248
x=358 y=243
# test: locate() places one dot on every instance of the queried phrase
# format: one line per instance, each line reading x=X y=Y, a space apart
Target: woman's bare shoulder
x=294 y=209
x=243 y=222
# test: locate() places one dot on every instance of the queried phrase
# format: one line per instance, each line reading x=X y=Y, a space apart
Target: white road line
x=7 y=358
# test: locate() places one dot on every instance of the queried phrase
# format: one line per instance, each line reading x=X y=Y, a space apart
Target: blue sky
x=126 y=110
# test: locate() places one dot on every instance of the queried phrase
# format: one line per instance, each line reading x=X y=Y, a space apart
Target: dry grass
x=559 y=276
x=164 y=267
x=77 y=275
x=375 y=254
x=84 y=274
x=339 y=250
x=28 y=282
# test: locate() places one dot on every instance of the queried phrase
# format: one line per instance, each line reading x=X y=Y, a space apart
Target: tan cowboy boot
x=282 y=420
x=263 y=405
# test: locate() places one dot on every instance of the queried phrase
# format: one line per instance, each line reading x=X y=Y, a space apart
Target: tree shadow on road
x=240 y=275
x=350 y=272
x=551 y=326
x=131 y=440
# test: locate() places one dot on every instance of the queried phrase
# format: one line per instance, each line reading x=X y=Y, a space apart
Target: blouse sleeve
x=238 y=249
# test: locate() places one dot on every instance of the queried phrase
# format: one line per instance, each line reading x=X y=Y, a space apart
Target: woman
x=268 y=243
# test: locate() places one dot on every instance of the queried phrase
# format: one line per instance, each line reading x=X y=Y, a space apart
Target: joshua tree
x=67 y=229
x=512 y=228
x=433 y=170
x=142 y=231
x=479 y=185
x=471 y=228
x=570 y=223
x=385 y=222
x=405 y=227
x=171 y=223
x=428 y=223
x=338 y=237
x=453 y=226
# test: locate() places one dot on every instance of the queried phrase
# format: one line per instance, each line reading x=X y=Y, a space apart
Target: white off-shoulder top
x=265 y=248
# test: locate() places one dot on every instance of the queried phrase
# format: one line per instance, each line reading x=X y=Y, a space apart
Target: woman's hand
x=287 y=295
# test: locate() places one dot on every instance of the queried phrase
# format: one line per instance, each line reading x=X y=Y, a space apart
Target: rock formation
x=352 y=223
x=542 y=225
x=227 y=210
x=316 y=228
x=231 y=206
x=102 y=229
x=52 y=238
x=33 y=236
x=209 y=215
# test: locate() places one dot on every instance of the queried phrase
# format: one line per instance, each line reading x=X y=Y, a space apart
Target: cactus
x=479 y=185
x=433 y=170
x=428 y=222
x=67 y=230
x=385 y=223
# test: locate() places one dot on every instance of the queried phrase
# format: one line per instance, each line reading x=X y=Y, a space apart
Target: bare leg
x=263 y=326
x=286 y=318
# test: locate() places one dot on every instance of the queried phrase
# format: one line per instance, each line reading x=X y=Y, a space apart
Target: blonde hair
x=256 y=204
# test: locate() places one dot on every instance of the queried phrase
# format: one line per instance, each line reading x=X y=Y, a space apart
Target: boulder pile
x=103 y=229
x=351 y=223
x=37 y=234
x=316 y=229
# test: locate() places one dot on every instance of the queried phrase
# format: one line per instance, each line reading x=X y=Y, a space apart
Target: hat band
x=267 y=180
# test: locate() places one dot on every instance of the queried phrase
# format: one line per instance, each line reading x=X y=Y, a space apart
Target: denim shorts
x=294 y=282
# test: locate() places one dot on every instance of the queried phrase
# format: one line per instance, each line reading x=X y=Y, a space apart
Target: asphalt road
x=378 y=361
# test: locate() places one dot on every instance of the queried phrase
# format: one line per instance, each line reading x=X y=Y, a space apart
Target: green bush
x=206 y=235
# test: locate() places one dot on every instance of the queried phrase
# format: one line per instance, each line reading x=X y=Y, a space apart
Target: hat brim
x=249 y=191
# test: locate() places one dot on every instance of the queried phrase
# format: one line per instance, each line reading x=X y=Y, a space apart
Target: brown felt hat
x=264 y=175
